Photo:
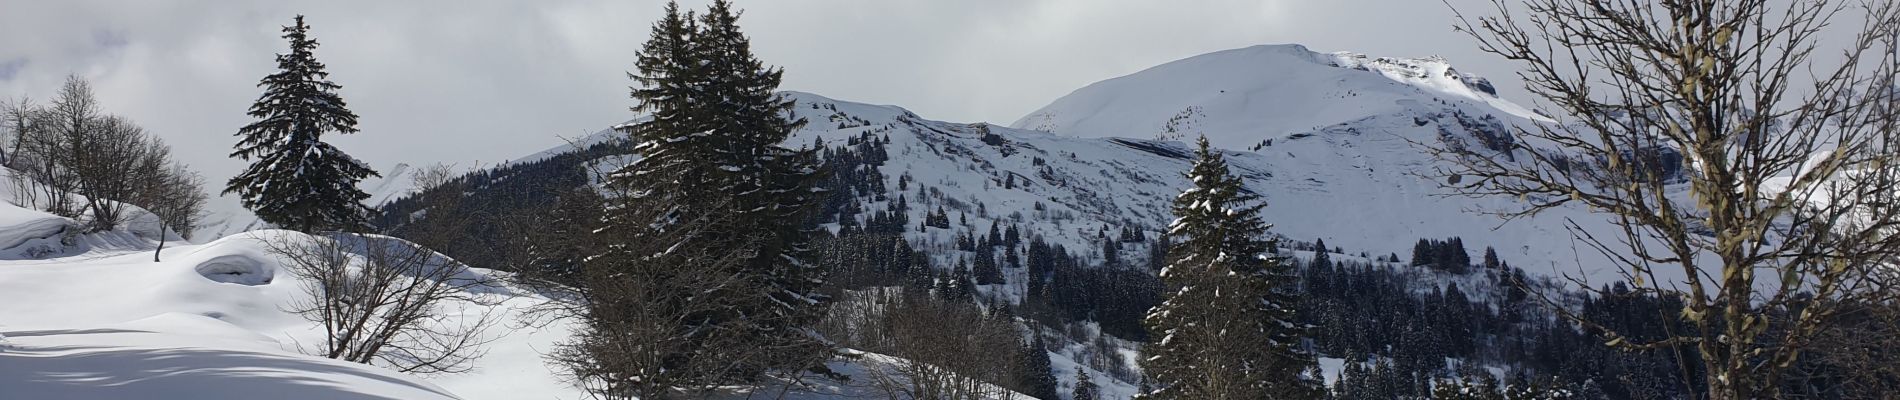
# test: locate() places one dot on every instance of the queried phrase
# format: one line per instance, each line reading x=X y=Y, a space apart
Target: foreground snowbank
x=209 y=322
x=184 y=356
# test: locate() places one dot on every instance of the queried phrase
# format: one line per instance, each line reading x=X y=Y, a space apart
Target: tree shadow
x=107 y=372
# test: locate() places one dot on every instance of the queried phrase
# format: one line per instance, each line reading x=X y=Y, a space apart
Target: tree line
x=72 y=159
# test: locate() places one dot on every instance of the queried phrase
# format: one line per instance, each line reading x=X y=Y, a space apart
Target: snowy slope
x=1326 y=138
x=1240 y=97
x=207 y=322
x=1336 y=140
x=1353 y=184
x=210 y=322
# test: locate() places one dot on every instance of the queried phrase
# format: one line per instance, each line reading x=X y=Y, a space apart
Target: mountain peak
x=1241 y=97
x=1427 y=70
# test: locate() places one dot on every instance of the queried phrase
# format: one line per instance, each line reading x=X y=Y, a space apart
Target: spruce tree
x=716 y=183
x=1490 y=259
x=1035 y=377
x=1226 y=329
x=959 y=287
x=295 y=180
x=1158 y=252
x=1482 y=387
x=1085 y=388
x=986 y=270
x=1320 y=256
x=772 y=185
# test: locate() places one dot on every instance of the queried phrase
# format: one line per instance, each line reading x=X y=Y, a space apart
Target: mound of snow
x=24 y=231
x=236 y=269
x=210 y=321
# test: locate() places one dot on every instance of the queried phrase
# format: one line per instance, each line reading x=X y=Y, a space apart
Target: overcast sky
x=476 y=82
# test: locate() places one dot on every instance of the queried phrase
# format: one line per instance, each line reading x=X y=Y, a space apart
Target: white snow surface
x=1241 y=97
x=207 y=322
x=184 y=356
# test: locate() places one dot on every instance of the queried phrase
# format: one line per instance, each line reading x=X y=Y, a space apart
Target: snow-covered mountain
x=1331 y=141
x=1242 y=97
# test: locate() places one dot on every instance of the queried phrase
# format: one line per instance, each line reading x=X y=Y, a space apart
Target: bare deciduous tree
x=386 y=301
x=950 y=350
x=113 y=161
x=657 y=319
x=45 y=150
x=16 y=118
x=1747 y=163
x=72 y=148
x=177 y=198
x=22 y=121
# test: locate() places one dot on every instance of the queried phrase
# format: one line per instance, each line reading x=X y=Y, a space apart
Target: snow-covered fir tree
x=1226 y=329
x=1035 y=376
x=1085 y=388
x=1467 y=388
x=713 y=195
x=296 y=180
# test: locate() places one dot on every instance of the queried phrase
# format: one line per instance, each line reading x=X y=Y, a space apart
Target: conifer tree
x=295 y=180
x=722 y=197
x=920 y=277
x=1320 y=255
x=986 y=270
x=1158 y=252
x=773 y=186
x=1034 y=377
x=958 y=285
x=1226 y=329
x=1482 y=387
x=1085 y=388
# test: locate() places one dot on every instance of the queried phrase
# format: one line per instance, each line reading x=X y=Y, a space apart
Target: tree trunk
x=161 y=240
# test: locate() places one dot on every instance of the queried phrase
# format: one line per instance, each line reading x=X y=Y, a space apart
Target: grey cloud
x=10 y=68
